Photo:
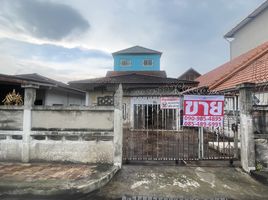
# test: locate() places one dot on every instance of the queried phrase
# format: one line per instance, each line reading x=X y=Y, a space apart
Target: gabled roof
x=136 y=50
x=12 y=79
x=247 y=20
x=35 y=77
x=42 y=79
x=151 y=73
x=248 y=67
x=191 y=70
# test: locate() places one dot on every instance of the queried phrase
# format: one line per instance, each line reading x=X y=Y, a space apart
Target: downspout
x=229 y=40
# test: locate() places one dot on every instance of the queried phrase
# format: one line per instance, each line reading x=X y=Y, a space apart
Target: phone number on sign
x=203 y=124
x=204 y=119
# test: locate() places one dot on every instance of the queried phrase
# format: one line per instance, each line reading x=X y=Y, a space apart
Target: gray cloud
x=49 y=52
x=42 y=19
x=188 y=32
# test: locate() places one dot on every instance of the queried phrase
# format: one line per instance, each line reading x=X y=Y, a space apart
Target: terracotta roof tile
x=256 y=72
x=248 y=67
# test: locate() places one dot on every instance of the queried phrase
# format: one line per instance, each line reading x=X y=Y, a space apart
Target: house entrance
x=157 y=134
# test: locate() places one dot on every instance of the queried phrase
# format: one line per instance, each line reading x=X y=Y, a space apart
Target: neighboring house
x=138 y=70
x=250 y=67
x=49 y=92
x=250 y=32
x=249 y=64
x=190 y=75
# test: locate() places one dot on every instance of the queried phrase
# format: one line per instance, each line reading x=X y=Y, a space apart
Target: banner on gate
x=169 y=103
x=203 y=111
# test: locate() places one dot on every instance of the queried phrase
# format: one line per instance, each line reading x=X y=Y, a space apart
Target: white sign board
x=169 y=103
x=203 y=111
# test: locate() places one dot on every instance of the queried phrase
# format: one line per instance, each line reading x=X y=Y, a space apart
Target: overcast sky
x=73 y=39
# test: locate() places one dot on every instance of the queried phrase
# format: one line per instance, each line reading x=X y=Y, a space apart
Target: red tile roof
x=248 y=67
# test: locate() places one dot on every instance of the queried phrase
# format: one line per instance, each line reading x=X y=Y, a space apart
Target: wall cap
x=245 y=85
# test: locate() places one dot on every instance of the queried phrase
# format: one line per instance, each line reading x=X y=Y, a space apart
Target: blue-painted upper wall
x=137 y=59
x=136 y=63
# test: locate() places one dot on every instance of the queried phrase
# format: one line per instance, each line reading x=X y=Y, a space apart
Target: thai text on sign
x=169 y=103
x=203 y=111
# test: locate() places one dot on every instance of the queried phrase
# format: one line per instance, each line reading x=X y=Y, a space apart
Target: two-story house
x=137 y=59
x=138 y=70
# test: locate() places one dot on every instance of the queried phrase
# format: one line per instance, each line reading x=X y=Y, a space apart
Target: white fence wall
x=72 y=134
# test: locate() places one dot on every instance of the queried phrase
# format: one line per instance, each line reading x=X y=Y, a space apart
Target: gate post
x=29 y=98
x=118 y=126
x=246 y=123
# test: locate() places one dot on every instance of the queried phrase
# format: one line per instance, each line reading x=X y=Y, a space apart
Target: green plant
x=259 y=166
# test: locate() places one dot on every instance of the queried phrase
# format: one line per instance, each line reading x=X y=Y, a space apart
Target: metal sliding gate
x=159 y=135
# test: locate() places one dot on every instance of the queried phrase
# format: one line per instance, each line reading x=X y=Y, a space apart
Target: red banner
x=203 y=111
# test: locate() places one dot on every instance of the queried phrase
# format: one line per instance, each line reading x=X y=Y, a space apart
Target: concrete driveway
x=182 y=182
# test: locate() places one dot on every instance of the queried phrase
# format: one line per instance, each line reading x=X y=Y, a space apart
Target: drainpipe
x=229 y=40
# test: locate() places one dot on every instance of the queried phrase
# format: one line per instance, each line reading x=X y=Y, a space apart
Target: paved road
x=184 y=182
x=174 y=181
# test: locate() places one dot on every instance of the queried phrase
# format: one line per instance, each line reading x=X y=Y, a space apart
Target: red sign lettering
x=203 y=111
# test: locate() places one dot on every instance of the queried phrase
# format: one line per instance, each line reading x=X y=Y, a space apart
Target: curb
x=261 y=176
x=87 y=188
x=73 y=188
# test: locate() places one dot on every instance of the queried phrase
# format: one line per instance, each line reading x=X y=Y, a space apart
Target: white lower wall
x=61 y=151
x=72 y=151
x=10 y=150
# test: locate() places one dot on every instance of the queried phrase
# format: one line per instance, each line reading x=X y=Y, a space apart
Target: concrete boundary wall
x=72 y=151
x=10 y=148
x=77 y=119
x=63 y=134
x=11 y=118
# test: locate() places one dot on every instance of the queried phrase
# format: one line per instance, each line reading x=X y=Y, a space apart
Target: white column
x=29 y=98
x=87 y=99
x=246 y=124
x=118 y=127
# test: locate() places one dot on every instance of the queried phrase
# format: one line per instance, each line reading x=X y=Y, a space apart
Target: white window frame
x=146 y=65
x=128 y=62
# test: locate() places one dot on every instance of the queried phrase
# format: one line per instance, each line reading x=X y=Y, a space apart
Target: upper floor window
x=125 y=63
x=147 y=62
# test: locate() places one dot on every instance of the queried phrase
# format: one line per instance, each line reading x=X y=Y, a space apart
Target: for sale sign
x=169 y=103
x=203 y=111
